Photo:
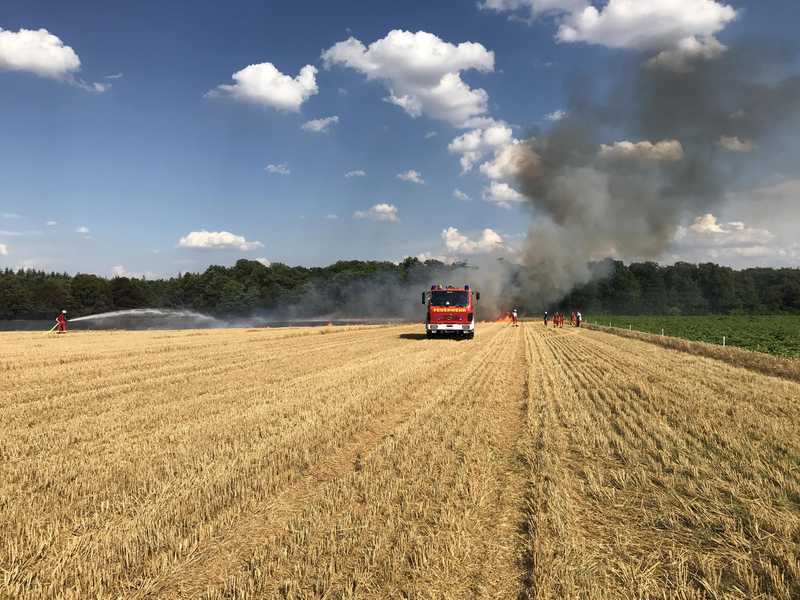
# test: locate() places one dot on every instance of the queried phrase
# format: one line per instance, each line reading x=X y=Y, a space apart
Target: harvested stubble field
x=373 y=463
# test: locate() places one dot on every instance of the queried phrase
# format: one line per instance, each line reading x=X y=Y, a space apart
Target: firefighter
x=61 y=322
x=578 y=318
x=545 y=318
x=572 y=318
x=514 y=319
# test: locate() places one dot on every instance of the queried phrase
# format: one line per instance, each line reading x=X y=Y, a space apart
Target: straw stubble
x=372 y=463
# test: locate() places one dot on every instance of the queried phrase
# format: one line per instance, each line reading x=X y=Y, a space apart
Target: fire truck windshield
x=449 y=298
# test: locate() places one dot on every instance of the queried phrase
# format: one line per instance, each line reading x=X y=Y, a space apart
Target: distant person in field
x=572 y=318
x=61 y=322
x=578 y=318
x=514 y=318
x=545 y=318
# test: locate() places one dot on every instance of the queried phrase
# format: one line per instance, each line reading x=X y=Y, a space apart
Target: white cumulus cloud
x=378 y=212
x=474 y=144
x=679 y=29
x=426 y=256
x=42 y=53
x=706 y=224
x=265 y=85
x=421 y=71
x=509 y=161
x=320 y=125
x=38 y=52
x=685 y=52
x=733 y=242
x=734 y=144
x=655 y=24
x=666 y=150
x=51 y=223
x=217 y=240
x=502 y=194
x=3 y=250
x=556 y=115
x=279 y=169
x=356 y=173
x=708 y=230
x=459 y=195
x=411 y=176
x=458 y=243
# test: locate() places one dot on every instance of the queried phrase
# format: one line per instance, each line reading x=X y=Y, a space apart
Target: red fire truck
x=451 y=310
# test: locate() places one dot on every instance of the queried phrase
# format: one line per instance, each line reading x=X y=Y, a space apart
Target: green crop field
x=775 y=334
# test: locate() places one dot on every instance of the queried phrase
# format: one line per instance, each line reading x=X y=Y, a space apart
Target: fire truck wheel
x=429 y=335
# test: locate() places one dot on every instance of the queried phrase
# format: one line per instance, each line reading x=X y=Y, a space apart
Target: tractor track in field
x=489 y=540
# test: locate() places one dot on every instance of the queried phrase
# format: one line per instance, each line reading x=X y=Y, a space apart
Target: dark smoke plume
x=387 y=295
x=593 y=197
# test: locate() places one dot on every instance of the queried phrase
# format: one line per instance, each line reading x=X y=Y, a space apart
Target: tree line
x=242 y=289
x=373 y=288
x=683 y=288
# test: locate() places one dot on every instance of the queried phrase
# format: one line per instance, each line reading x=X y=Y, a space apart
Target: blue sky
x=110 y=178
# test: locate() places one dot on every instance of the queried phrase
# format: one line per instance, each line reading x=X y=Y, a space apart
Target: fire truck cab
x=450 y=310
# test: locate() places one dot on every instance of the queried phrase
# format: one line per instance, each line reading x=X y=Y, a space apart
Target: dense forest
x=358 y=288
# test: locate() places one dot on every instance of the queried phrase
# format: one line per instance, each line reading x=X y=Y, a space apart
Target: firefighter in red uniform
x=61 y=322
